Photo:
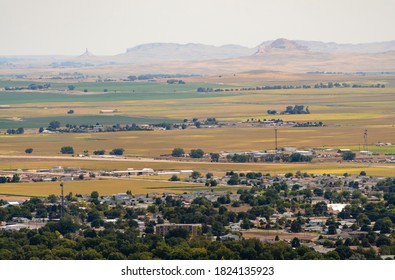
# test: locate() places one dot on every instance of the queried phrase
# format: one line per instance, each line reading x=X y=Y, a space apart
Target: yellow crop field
x=203 y=167
x=155 y=143
x=104 y=187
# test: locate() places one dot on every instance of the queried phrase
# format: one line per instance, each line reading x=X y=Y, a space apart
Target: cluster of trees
x=347 y=85
x=44 y=244
x=99 y=152
x=30 y=87
x=117 y=151
x=174 y=81
x=297 y=109
x=274 y=87
x=294 y=157
x=81 y=241
x=195 y=153
x=348 y=155
x=70 y=150
x=67 y=150
x=14 y=179
x=157 y=76
x=54 y=125
x=276 y=121
x=74 y=236
x=309 y=124
x=291 y=110
x=19 y=130
x=73 y=128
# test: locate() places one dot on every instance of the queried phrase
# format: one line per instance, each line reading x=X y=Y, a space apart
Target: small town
x=321 y=213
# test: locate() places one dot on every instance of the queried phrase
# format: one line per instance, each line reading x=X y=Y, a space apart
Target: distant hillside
x=317 y=46
x=282 y=45
x=182 y=52
x=278 y=55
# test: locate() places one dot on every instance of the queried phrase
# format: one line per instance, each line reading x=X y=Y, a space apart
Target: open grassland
x=203 y=167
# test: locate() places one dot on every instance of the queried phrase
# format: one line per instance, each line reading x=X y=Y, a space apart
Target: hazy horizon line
x=192 y=43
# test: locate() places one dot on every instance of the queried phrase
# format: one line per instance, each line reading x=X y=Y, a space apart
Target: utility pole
x=365 y=140
x=62 y=199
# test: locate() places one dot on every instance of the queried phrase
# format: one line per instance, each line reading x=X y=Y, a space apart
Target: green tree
x=196 y=175
x=348 y=155
x=331 y=229
x=320 y=208
x=15 y=178
x=178 y=152
x=117 y=151
x=53 y=125
x=234 y=179
x=29 y=150
x=177 y=233
x=174 y=178
x=99 y=152
x=197 y=153
x=94 y=197
x=296 y=226
x=384 y=225
x=20 y=130
x=71 y=87
x=214 y=157
x=52 y=198
x=295 y=242
x=67 y=150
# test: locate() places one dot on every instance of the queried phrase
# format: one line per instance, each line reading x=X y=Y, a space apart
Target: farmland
x=155 y=143
x=104 y=187
x=346 y=112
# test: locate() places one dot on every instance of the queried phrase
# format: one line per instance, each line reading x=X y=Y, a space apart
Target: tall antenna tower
x=62 y=198
x=365 y=140
x=275 y=138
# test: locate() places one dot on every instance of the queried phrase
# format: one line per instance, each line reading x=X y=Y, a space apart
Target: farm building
x=108 y=111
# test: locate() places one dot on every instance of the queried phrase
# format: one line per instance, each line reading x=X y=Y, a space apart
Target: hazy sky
x=108 y=27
